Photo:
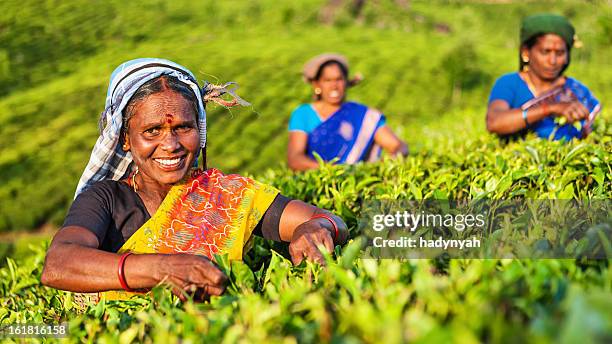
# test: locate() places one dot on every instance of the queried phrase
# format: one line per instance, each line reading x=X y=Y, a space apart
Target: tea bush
x=367 y=300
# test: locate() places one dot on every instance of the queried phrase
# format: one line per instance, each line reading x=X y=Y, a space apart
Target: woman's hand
x=315 y=233
x=306 y=240
x=191 y=275
x=305 y=233
x=572 y=111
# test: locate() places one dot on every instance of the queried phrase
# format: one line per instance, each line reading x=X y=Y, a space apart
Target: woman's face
x=163 y=137
x=547 y=57
x=332 y=84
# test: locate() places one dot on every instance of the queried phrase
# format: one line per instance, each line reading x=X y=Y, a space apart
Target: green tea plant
x=350 y=299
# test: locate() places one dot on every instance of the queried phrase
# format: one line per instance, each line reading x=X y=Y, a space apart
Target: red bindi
x=169 y=118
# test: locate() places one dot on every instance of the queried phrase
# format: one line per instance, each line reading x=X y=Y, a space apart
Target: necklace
x=132 y=180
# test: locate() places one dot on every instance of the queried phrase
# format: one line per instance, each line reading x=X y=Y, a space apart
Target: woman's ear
x=316 y=87
x=126 y=143
x=525 y=54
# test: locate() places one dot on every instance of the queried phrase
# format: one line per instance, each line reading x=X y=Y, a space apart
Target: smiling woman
x=333 y=128
x=162 y=132
x=144 y=214
x=533 y=98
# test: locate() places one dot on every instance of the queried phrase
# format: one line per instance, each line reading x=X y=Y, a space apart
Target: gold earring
x=525 y=59
x=318 y=91
x=126 y=146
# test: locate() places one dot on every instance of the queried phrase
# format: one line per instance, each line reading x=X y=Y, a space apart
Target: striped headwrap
x=108 y=160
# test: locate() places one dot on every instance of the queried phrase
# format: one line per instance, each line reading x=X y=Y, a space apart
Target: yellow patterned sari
x=208 y=213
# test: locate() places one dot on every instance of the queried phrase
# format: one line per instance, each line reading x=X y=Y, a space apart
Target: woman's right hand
x=191 y=275
x=572 y=111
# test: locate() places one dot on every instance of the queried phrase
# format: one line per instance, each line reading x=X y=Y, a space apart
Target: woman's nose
x=553 y=59
x=170 y=142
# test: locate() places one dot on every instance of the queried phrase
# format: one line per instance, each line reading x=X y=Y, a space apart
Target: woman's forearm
x=75 y=263
x=510 y=121
x=74 y=267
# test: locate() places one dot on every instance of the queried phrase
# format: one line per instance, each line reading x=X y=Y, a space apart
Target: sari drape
x=208 y=213
x=347 y=135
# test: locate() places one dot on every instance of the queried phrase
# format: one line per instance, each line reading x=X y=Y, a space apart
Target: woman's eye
x=152 y=131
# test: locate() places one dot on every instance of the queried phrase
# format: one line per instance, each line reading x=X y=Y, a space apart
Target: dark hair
x=328 y=63
x=531 y=42
x=157 y=85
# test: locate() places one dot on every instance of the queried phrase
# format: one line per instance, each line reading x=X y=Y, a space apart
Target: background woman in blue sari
x=539 y=97
x=332 y=127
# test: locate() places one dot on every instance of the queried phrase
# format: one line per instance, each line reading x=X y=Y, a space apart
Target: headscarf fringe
x=212 y=92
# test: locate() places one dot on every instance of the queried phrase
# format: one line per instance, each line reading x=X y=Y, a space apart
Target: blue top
x=305 y=118
x=346 y=136
x=514 y=90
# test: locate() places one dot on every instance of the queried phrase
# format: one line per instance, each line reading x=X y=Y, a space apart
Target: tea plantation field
x=428 y=65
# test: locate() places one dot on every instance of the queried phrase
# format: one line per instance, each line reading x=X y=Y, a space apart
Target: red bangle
x=121 y=272
x=327 y=217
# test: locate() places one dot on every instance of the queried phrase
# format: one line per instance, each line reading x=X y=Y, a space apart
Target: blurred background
x=428 y=65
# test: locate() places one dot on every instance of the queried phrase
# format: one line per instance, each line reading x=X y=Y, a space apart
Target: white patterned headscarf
x=108 y=160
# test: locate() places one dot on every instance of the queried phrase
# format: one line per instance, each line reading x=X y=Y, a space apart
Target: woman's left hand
x=306 y=240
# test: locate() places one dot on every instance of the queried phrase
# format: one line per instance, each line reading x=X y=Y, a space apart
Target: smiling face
x=163 y=137
x=332 y=83
x=547 y=57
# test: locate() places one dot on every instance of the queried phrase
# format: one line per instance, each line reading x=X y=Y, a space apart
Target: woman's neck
x=151 y=192
x=325 y=109
x=540 y=85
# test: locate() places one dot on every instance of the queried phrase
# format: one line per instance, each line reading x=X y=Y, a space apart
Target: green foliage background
x=428 y=65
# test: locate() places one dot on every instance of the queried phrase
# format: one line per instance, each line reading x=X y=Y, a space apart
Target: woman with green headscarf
x=539 y=97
